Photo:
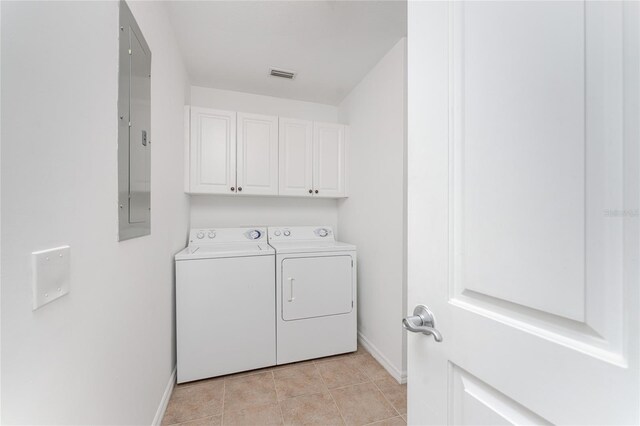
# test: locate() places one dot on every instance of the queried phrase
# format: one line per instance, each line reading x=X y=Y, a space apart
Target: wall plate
x=51 y=274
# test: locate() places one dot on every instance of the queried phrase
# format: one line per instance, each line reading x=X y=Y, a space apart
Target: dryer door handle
x=291 y=298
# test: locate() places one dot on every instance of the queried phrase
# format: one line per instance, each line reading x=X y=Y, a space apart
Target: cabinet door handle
x=232 y=189
x=311 y=191
x=317 y=191
x=239 y=189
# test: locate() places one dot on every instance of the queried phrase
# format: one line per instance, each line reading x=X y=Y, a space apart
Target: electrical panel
x=134 y=122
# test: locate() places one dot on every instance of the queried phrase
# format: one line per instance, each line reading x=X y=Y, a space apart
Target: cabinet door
x=296 y=157
x=329 y=160
x=257 y=154
x=213 y=151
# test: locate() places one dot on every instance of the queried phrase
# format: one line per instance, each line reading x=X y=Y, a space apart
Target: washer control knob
x=287 y=233
x=254 y=234
x=200 y=235
x=212 y=234
x=323 y=232
x=277 y=233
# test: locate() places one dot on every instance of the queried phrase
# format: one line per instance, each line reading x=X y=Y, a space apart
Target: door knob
x=423 y=322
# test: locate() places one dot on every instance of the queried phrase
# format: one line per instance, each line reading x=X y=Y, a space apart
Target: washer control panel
x=322 y=232
x=253 y=234
x=226 y=235
x=295 y=233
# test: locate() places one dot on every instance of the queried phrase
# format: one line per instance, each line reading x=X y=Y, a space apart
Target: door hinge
x=352 y=303
x=352 y=263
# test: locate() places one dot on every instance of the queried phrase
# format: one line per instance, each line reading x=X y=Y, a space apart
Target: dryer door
x=316 y=286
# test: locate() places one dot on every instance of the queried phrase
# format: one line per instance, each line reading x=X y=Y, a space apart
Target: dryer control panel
x=227 y=235
x=301 y=233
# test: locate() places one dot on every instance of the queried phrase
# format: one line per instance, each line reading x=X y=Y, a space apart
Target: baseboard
x=400 y=376
x=165 y=399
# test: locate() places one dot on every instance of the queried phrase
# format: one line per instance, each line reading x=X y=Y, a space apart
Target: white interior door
x=523 y=197
x=257 y=154
x=296 y=157
x=329 y=160
x=213 y=151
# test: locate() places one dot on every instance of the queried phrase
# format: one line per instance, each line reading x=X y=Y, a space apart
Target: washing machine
x=315 y=293
x=225 y=303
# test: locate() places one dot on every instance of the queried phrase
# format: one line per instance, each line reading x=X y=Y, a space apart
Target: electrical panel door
x=134 y=137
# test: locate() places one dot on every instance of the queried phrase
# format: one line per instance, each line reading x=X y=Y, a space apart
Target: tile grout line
x=261 y=404
x=378 y=421
x=331 y=396
x=349 y=385
x=194 y=419
x=281 y=413
x=381 y=392
x=367 y=380
x=364 y=372
x=190 y=420
x=386 y=399
x=275 y=388
x=323 y=391
x=224 y=396
x=372 y=381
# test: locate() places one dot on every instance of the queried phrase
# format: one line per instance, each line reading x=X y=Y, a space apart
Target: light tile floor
x=350 y=389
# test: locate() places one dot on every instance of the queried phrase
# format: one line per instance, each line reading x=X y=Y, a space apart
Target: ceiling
x=330 y=44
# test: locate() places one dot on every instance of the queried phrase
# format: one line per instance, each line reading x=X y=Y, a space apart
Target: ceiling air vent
x=274 y=72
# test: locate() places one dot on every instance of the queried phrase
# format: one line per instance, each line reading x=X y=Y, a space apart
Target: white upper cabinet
x=296 y=157
x=257 y=160
x=253 y=154
x=212 y=151
x=329 y=151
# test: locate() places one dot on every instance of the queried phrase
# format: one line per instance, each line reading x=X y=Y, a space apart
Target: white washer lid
x=310 y=246
x=212 y=251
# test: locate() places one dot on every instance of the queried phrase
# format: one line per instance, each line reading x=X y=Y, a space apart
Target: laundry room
x=221 y=188
x=319 y=212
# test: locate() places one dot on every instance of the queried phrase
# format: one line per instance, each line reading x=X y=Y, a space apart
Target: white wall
x=259 y=104
x=104 y=352
x=221 y=211
x=373 y=217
